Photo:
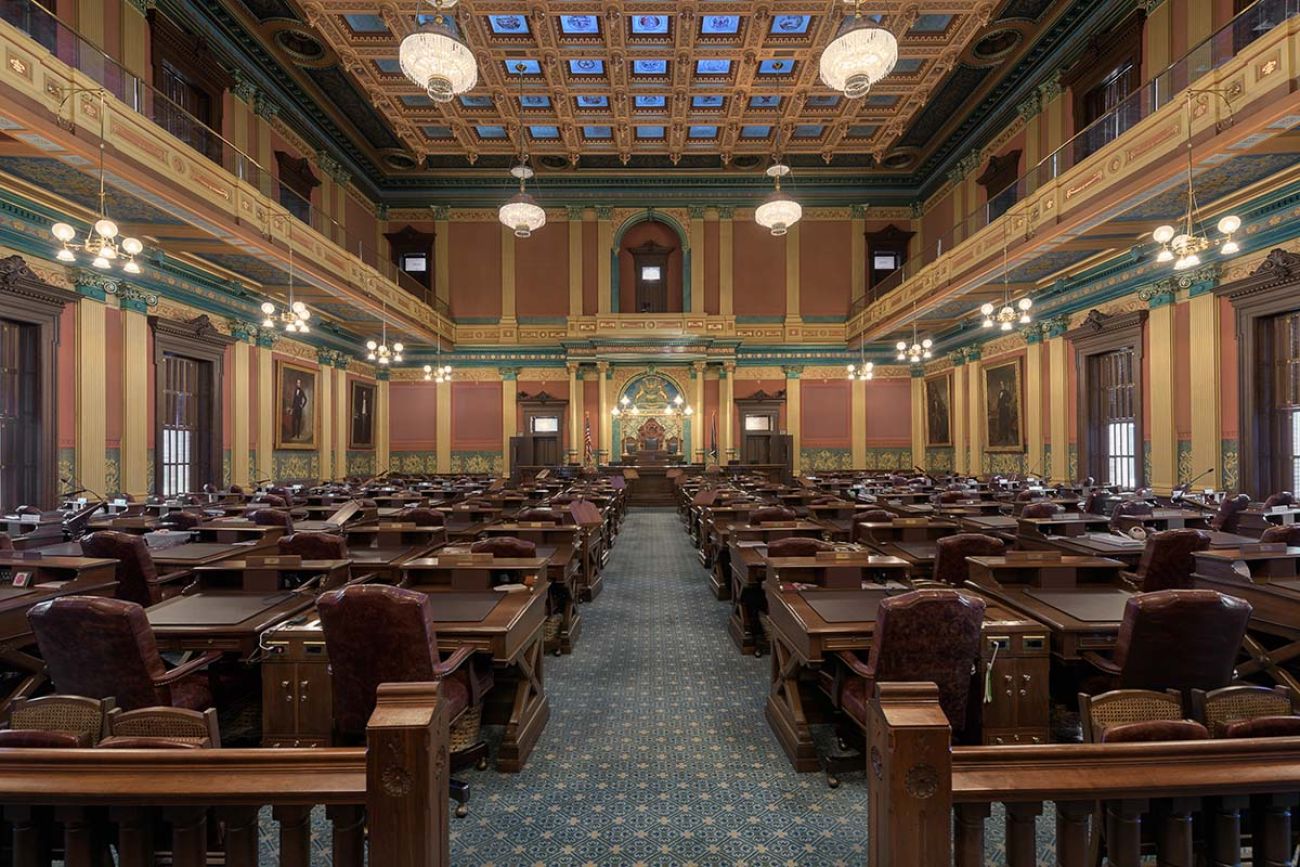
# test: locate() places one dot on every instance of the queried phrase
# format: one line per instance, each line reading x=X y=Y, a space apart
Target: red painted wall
x=825 y=272
x=413 y=419
x=476 y=416
x=663 y=235
x=542 y=273
x=889 y=415
x=711 y=265
x=759 y=271
x=825 y=416
x=475 y=269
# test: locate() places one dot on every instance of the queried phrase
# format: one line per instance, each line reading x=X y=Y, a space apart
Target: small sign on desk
x=1264 y=548
x=279 y=562
x=22 y=579
x=1033 y=556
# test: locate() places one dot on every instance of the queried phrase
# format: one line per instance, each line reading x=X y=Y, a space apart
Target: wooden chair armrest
x=1101 y=663
x=1132 y=581
x=459 y=657
x=855 y=663
x=184 y=670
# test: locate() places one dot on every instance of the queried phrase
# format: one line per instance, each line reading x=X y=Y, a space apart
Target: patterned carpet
x=657 y=752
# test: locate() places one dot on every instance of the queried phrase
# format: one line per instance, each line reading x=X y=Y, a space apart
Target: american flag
x=588 y=452
x=713 y=443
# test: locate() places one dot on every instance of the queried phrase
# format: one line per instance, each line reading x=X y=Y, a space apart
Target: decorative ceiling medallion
x=301 y=45
x=995 y=46
x=899 y=159
x=400 y=160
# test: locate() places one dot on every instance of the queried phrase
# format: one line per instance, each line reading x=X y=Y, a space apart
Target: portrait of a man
x=1003 y=419
x=938 y=399
x=362 y=435
x=296 y=402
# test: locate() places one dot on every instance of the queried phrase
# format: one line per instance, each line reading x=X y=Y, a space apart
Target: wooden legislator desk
x=297 y=701
x=1268 y=577
x=809 y=626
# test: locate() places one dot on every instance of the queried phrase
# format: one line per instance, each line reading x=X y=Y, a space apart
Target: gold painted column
x=857 y=255
x=1053 y=118
x=699 y=424
x=1163 y=433
x=603 y=374
x=727 y=411
x=575 y=213
x=442 y=439
x=383 y=447
x=509 y=321
x=509 y=413
x=975 y=417
x=241 y=403
x=919 y=457
x=325 y=465
x=265 y=468
x=958 y=415
x=1207 y=407
x=794 y=413
x=858 y=423
x=342 y=416
x=604 y=259
x=1030 y=110
x=442 y=253
x=726 y=261
x=91 y=403
x=1058 y=396
x=792 y=316
x=575 y=409
x=135 y=38
x=1157 y=35
x=697 y=259
x=1034 y=401
x=133 y=457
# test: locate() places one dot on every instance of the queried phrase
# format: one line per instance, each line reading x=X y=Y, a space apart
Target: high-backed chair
x=926 y=635
x=274 y=518
x=1136 y=716
x=275 y=501
x=1167 y=560
x=950 y=566
x=182 y=520
x=538 y=514
x=1041 y=510
x=1092 y=503
x=104 y=648
x=504 y=546
x=869 y=516
x=55 y=721
x=379 y=634
x=6 y=543
x=951 y=496
x=313 y=546
x=1247 y=711
x=1228 y=516
x=1177 y=639
x=1281 y=498
x=138 y=580
x=421 y=516
x=771 y=514
x=796 y=546
x=1129 y=509
x=1287 y=534
x=161 y=728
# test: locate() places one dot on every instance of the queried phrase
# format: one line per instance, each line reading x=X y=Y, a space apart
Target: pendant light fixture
x=380 y=352
x=294 y=317
x=1184 y=245
x=1006 y=316
x=101 y=242
x=917 y=352
x=778 y=212
x=435 y=57
x=860 y=55
x=522 y=214
x=438 y=372
x=864 y=369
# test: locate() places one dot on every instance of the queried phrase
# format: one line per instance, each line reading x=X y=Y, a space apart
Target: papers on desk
x=1113 y=541
x=160 y=540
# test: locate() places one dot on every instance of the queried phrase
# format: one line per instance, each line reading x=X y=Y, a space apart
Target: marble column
x=794 y=413
x=1205 y=373
x=509 y=413
x=603 y=375
x=265 y=407
x=383 y=408
x=133 y=452
x=91 y=400
x=919 y=457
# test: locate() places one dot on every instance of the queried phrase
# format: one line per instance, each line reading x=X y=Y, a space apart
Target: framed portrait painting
x=938 y=410
x=1004 y=428
x=297 y=407
x=361 y=415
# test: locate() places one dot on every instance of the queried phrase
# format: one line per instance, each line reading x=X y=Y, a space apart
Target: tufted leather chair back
x=1167 y=561
x=135 y=566
x=1041 y=510
x=100 y=648
x=6 y=544
x=538 y=514
x=1282 y=498
x=951 y=552
x=1288 y=534
x=1180 y=639
x=1229 y=515
x=273 y=518
x=770 y=514
x=313 y=546
x=421 y=516
x=1129 y=509
x=931 y=636
x=796 y=546
x=504 y=546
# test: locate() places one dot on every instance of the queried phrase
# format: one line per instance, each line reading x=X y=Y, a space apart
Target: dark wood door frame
x=1098 y=335
x=197 y=339
x=26 y=298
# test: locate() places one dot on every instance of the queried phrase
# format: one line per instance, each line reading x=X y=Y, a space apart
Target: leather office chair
x=951 y=496
x=1027 y=496
x=55 y=721
x=379 y=634
x=1129 y=509
x=274 y=518
x=421 y=516
x=950 y=553
x=1136 y=716
x=137 y=576
x=1092 y=504
x=870 y=516
x=104 y=648
x=1176 y=639
x=1041 y=510
x=275 y=501
x=236 y=489
x=1282 y=498
x=537 y=514
x=769 y=514
x=796 y=546
x=1247 y=712
x=925 y=636
x=1228 y=516
x=6 y=543
x=1287 y=534
x=504 y=546
x=313 y=546
x=1167 y=561
x=281 y=492
x=183 y=520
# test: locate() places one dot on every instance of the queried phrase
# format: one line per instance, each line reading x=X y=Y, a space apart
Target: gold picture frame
x=938 y=410
x=361 y=414
x=297 y=406
x=1004 y=416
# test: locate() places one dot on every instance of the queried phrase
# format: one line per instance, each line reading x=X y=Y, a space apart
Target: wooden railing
x=390 y=797
x=928 y=802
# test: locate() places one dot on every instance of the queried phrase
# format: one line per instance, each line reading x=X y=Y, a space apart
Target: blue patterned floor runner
x=657 y=751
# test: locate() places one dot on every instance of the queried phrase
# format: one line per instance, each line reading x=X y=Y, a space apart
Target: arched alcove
x=652 y=240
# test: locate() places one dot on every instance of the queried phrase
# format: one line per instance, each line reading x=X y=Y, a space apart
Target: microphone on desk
x=1181 y=491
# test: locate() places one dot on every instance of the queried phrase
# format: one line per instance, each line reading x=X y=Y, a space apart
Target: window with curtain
x=20 y=421
x=184 y=425
x=1285 y=375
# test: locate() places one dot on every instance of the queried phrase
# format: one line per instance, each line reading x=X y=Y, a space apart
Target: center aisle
x=657 y=751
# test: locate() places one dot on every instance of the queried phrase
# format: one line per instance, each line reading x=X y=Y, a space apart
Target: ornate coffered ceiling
x=649 y=86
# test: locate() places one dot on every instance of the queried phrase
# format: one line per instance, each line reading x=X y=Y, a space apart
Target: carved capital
x=264 y=108
x=792 y=371
x=243 y=88
x=508 y=374
x=131 y=299
x=1158 y=294
x=604 y=212
x=93 y=284
x=726 y=212
x=1030 y=106
x=143 y=6
x=1050 y=89
x=441 y=212
x=857 y=212
x=575 y=213
x=695 y=212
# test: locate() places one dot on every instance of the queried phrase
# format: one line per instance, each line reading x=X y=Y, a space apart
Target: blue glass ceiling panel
x=823 y=101
x=776 y=67
x=476 y=101
x=597 y=132
x=712 y=66
x=437 y=131
x=650 y=101
x=593 y=101
x=882 y=99
x=648 y=25
x=703 y=131
x=649 y=67
x=755 y=131
x=366 y=23
x=389 y=66
x=587 y=66
x=931 y=23
x=764 y=101
x=517 y=66
x=651 y=132
x=491 y=131
x=707 y=101
x=544 y=132
x=720 y=25
x=579 y=25
x=862 y=131
x=808 y=130
x=790 y=25
x=417 y=100
x=532 y=100
x=908 y=64
x=513 y=25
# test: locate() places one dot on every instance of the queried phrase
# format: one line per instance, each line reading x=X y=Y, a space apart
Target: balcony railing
x=76 y=51
x=1160 y=91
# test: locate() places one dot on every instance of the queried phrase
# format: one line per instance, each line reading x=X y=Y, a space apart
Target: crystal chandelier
x=101 y=242
x=1006 y=316
x=778 y=212
x=295 y=315
x=438 y=372
x=435 y=57
x=917 y=352
x=522 y=214
x=864 y=369
x=860 y=55
x=1183 y=245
